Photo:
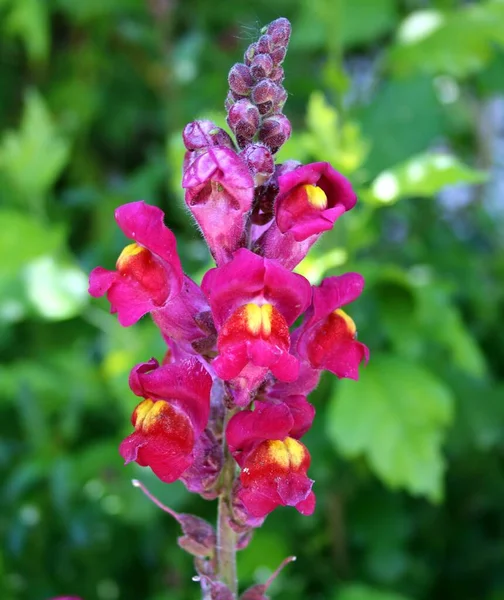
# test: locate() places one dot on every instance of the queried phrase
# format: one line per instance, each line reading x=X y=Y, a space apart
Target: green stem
x=226 y=537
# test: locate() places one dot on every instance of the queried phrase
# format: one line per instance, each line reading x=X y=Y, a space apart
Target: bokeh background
x=406 y=98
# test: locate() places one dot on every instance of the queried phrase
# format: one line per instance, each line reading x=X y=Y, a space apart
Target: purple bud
x=264 y=45
x=230 y=100
x=243 y=539
x=243 y=118
x=279 y=31
x=265 y=91
x=261 y=66
x=240 y=80
x=259 y=160
x=220 y=591
x=280 y=101
x=249 y=54
x=278 y=55
x=277 y=75
x=201 y=134
x=275 y=131
x=199 y=536
x=202 y=476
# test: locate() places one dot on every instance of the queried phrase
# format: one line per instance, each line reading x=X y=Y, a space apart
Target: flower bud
x=264 y=45
x=278 y=55
x=277 y=75
x=199 y=536
x=275 y=131
x=265 y=91
x=261 y=66
x=280 y=101
x=279 y=31
x=259 y=160
x=249 y=54
x=240 y=80
x=243 y=118
x=230 y=100
x=198 y=135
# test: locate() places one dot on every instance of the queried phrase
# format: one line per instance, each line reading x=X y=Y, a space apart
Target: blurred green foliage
x=405 y=97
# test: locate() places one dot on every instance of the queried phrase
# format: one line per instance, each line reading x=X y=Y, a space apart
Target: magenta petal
x=256 y=502
x=302 y=413
x=335 y=292
x=233 y=284
x=340 y=198
x=134 y=381
x=168 y=466
x=307 y=507
x=130 y=446
x=144 y=223
x=263 y=353
x=266 y=422
x=249 y=277
x=294 y=488
x=289 y=292
x=130 y=301
x=186 y=385
x=344 y=359
x=219 y=193
x=287 y=368
x=230 y=364
x=100 y=280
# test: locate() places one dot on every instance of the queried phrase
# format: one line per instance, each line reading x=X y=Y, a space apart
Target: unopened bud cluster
x=225 y=408
x=256 y=95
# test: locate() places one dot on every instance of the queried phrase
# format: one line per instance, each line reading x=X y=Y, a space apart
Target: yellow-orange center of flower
x=316 y=196
x=127 y=253
x=274 y=458
x=147 y=413
x=139 y=264
x=258 y=319
x=287 y=454
x=352 y=329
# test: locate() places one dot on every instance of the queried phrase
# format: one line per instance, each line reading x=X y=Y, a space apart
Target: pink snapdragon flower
x=254 y=301
x=170 y=420
x=327 y=338
x=310 y=199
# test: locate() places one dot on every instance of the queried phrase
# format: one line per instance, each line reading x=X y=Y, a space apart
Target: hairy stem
x=226 y=537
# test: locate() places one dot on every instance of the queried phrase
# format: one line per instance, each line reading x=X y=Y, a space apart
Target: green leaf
x=33 y=157
x=323 y=23
x=396 y=417
x=404 y=117
x=458 y=43
x=366 y=20
x=23 y=239
x=28 y=19
x=423 y=175
x=357 y=591
x=440 y=321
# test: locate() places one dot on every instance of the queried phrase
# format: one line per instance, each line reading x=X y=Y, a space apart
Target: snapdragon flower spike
x=310 y=199
x=149 y=274
x=327 y=339
x=170 y=419
x=273 y=464
x=254 y=301
x=219 y=190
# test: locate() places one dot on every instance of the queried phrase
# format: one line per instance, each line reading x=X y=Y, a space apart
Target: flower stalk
x=226 y=536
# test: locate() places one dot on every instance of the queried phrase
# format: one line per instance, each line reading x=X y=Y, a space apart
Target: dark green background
x=409 y=462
